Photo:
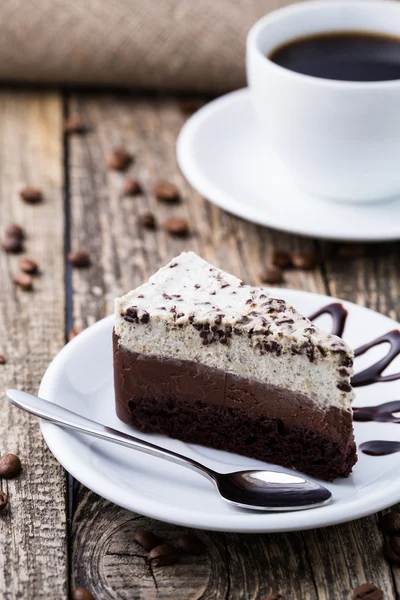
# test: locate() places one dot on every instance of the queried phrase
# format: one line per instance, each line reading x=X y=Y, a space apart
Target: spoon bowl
x=271 y=489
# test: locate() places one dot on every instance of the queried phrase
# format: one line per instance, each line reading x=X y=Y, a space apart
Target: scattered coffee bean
x=391 y=551
x=148 y=540
x=391 y=522
x=165 y=554
x=306 y=260
x=281 y=259
x=3 y=500
x=24 y=281
x=166 y=192
x=15 y=231
x=148 y=220
x=75 y=125
x=27 y=265
x=351 y=250
x=367 y=591
x=74 y=332
x=188 y=105
x=132 y=187
x=2 y=360
x=12 y=244
x=274 y=597
x=31 y=195
x=191 y=544
x=79 y=258
x=176 y=226
x=271 y=275
x=120 y=159
x=10 y=466
x=82 y=594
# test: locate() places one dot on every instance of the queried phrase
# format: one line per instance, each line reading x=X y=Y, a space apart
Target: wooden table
x=57 y=535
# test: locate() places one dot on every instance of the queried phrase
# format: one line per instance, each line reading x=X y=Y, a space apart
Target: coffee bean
x=132 y=187
x=75 y=125
x=148 y=540
x=27 y=265
x=14 y=231
x=24 y=282
x=176 y=226
x=166 y=192
x=271 y=275
x=273 y=597
x=165 y=554
x=147 y=220
x=191 y=544
x=2 y=360
x=281 y=259
x=12 y=244
x=82 y=594
x=391 y=522
x=351 y=250
x=188 y=105
x=74 y=332
x=391 y=551
x=79 y=258
x=31 y=195
x=10 y=466
x=367 y=591
x=306 y=260
x=3 y=500
x=119 y=159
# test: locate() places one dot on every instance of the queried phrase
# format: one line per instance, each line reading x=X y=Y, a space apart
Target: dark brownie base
x=198 y=404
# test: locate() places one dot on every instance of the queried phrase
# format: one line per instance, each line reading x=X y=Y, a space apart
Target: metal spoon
x=257 y=490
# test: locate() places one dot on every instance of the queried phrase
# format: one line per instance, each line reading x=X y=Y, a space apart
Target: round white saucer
x=223 y=155
x=81 y=378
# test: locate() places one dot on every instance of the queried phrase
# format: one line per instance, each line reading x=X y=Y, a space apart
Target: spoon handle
x=66 y=418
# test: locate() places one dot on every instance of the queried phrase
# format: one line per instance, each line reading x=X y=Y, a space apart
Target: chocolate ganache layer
x=204 y=358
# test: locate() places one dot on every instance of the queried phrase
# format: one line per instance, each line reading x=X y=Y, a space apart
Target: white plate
x=80 y=378
x=223 y=155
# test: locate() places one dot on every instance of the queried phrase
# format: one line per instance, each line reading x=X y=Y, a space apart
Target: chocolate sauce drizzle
x=373 y=374
x=379 y=447
x=338 y=313
x=382 y=413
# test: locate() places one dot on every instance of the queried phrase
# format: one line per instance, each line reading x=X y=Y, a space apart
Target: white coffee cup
x=337 y=139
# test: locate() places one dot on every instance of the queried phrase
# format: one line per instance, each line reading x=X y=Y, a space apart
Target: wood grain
x=33 y=540
x=323 y=564
x=112 y=565
x=106 y=224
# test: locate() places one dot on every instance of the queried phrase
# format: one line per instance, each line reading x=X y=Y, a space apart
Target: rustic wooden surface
x=33 y=534
x=324 y=564
x=320 y=564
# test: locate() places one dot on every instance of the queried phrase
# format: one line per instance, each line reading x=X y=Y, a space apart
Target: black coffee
x=346 y=56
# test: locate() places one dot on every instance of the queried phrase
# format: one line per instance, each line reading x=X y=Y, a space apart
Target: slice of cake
x=203 y=358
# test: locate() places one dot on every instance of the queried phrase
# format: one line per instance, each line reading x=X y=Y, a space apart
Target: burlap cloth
x=189 y=45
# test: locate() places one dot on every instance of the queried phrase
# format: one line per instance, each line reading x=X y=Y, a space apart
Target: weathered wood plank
x=237 y=567
x=106 y=224
x=372 y=280
x=33 y=540
x=323 y=564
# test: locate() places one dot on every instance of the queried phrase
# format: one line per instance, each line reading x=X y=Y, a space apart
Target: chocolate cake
x=205 y=359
